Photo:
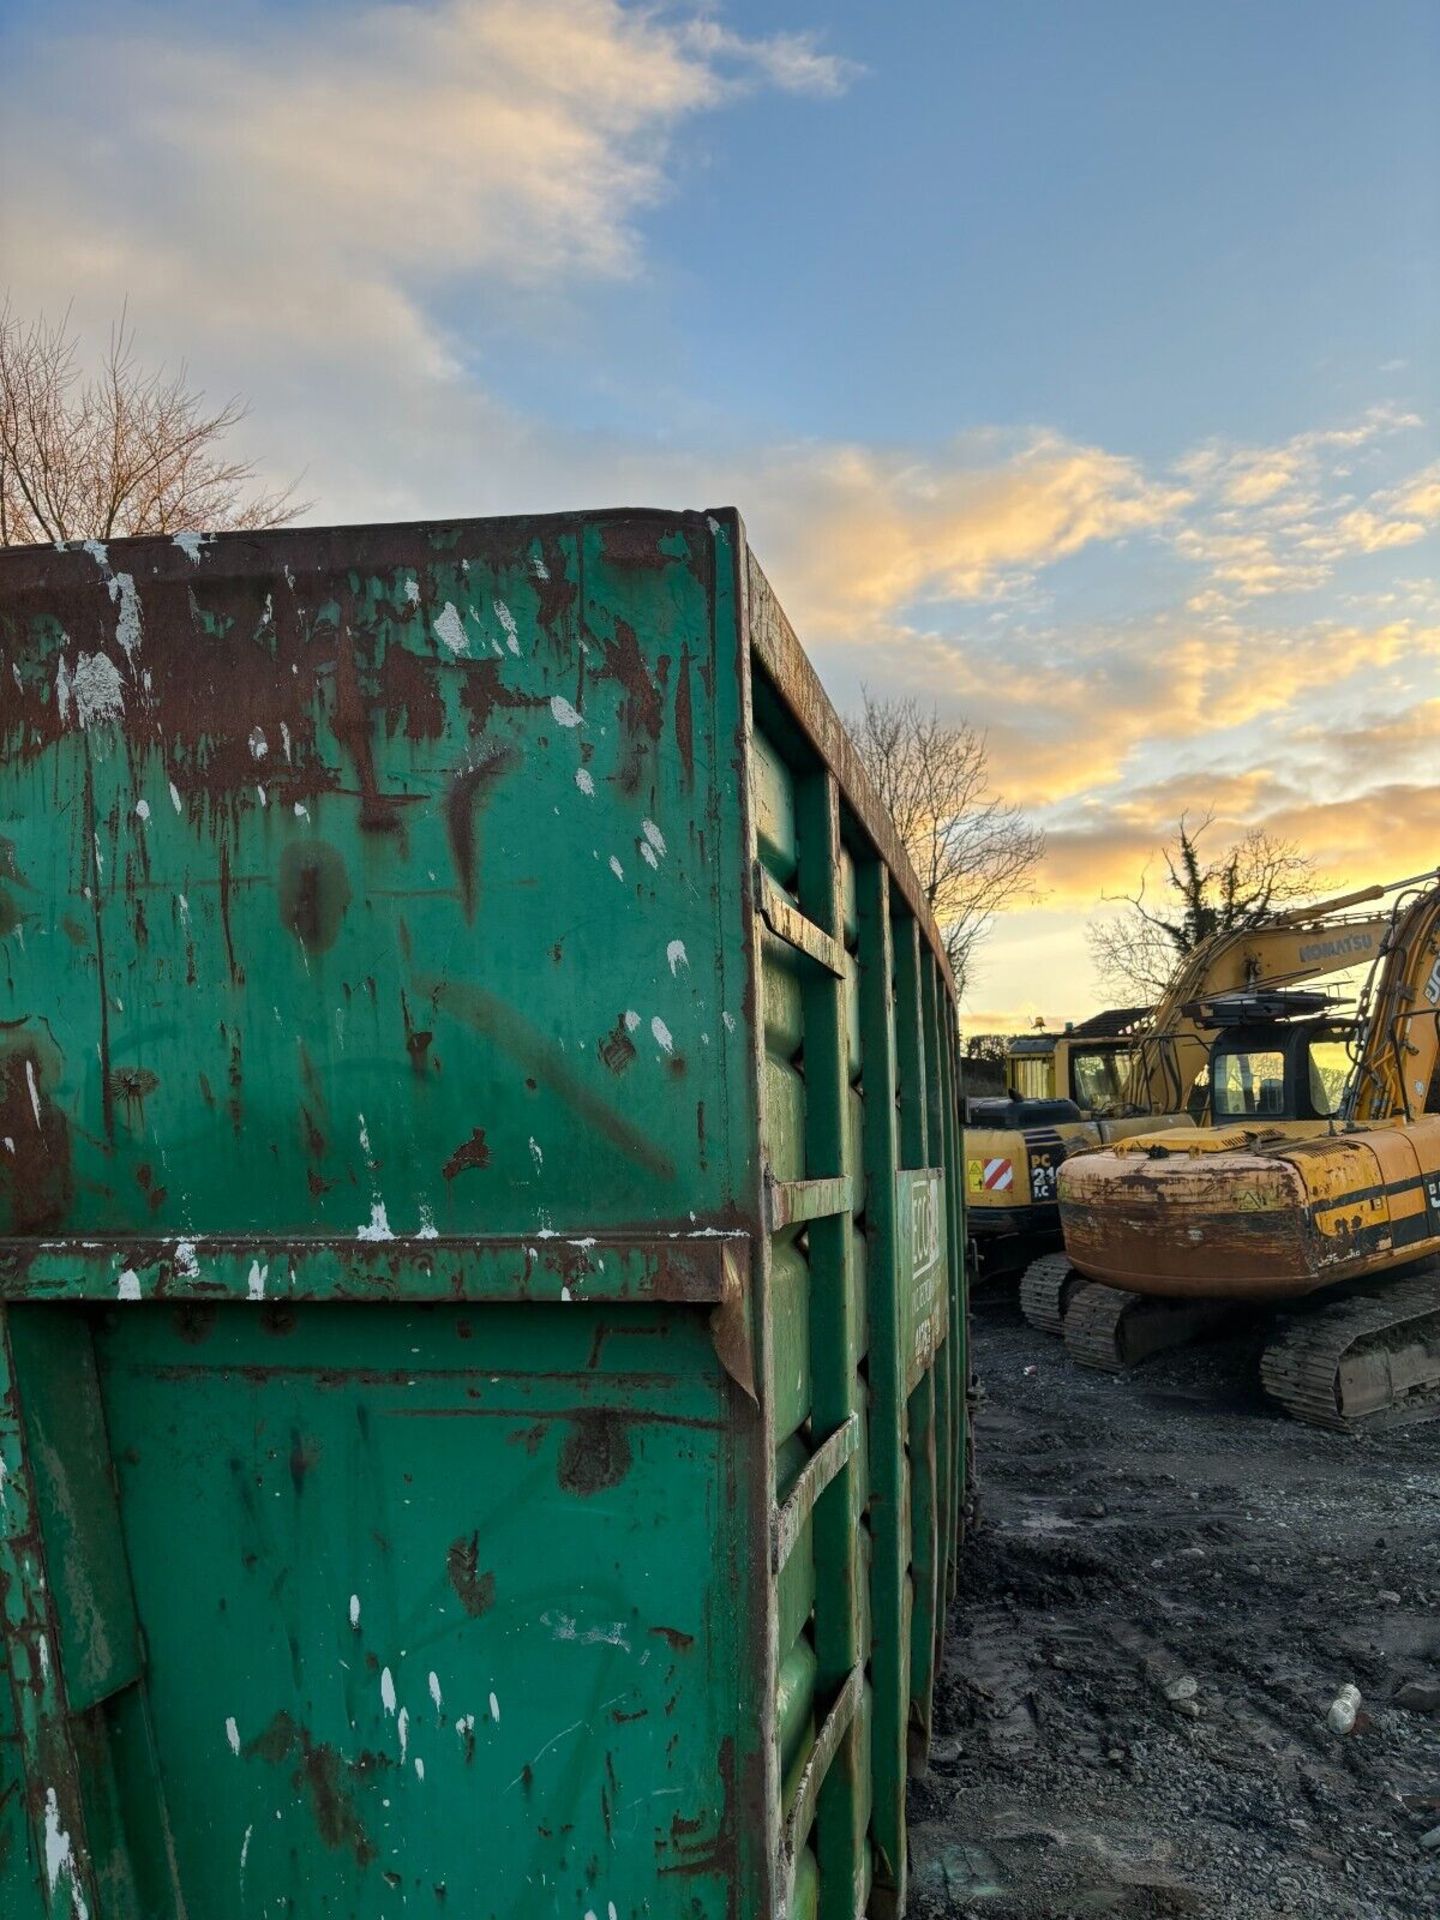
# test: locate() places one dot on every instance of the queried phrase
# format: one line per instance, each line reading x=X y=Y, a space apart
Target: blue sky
x=1138 y=224
x=1073 y=364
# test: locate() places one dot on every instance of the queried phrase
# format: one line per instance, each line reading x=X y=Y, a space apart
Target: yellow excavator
x=1013 y=1161
x=1063 y=1092
x=1319 y=1175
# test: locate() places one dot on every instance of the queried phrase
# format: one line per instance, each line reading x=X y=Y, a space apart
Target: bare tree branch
x=125 y=450
x=973 y=853
x=1136 y=952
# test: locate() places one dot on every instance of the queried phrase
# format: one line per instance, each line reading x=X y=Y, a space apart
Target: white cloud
x=1421 y=496
x=793 y=61
x=1362 y=530
x=856 y=534
x=332 y=177
x=1279 y=519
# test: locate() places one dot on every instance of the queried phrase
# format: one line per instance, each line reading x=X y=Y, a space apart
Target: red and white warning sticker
x=999 y=1174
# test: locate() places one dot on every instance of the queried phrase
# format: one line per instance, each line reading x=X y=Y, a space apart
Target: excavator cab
x=1089 y=1064
x=1277 y=1057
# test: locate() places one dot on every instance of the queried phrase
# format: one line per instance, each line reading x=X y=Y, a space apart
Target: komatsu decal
x=1339 y=947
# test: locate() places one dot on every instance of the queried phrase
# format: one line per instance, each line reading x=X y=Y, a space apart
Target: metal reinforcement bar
x=818 y=1472
x=833 y=1729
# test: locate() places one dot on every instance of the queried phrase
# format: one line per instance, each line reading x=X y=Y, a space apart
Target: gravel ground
x=1169 y=1586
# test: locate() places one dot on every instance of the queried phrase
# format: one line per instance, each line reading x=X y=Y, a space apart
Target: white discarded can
x=1343 y=1709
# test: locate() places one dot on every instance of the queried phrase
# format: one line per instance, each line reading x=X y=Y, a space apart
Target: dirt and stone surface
x=1170 y=1585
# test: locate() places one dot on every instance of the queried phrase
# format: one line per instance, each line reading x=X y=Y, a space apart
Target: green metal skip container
x=482 y=1319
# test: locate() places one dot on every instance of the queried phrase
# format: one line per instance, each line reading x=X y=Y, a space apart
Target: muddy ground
x=1169 y=1531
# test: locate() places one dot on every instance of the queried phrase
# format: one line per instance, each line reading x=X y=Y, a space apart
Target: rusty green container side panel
x=397 y=800
x=481 y=1348
x=381 y=1657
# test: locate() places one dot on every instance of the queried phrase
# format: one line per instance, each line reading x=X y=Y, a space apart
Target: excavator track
x=1372 y=1359
x=1113 y=1331
x=1045 y=1291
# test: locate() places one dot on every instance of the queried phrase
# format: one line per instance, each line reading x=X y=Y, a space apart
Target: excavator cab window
x=1248 y=1082
x=1329 y=1070
x=1032 y=1077
x=1273 y=1072
x=1098 y=1078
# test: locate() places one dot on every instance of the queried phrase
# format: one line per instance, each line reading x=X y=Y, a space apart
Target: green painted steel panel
x=796 y=1591
x=354 y=1649
x=20 y=1870
x=95 y=1622
x=862 y=1315
x=795 y=1701
x=459 y=814
x=785 y=1119
x=784 y=996
x=790 y=1335
x=773 y=793
x=403 y=1352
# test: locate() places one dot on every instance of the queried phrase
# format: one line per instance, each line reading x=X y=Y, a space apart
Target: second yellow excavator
x=1319 y=1176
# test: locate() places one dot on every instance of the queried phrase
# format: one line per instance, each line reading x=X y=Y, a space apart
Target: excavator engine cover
x=1184 y=1225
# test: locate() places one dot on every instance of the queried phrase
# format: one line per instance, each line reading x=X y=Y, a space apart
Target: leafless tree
x=1136 y=952
x=121 y=450
x=973 y=852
